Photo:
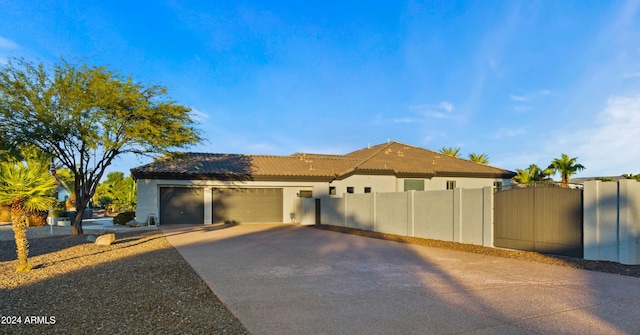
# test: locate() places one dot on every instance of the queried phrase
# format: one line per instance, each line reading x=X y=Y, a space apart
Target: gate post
x=487 y=216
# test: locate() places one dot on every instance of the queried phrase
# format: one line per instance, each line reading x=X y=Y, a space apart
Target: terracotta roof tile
x=391 y=158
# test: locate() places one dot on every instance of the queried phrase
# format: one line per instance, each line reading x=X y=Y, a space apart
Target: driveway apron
x=288 y=279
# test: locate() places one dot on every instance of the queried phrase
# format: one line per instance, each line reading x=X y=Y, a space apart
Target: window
x=349 y=189
x=414 y=185
x=305 y=194
x=451 y=184
x=367 y=190
x=497 y=184
x=332 y=190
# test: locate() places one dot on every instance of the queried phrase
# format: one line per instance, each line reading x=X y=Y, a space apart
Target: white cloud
x=6 y=43
x=610 y=147
x=446 y=105
x=509 y=132
x=546 y=92
x=198 y=115
x=440 y=111
x=518 y=98
x=406 y=120
x=631 y=75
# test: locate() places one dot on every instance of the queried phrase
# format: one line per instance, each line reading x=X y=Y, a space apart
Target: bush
x=124 y=217
x=37 y=218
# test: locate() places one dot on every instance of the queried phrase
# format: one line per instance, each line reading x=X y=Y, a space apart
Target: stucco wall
x=149 y=202
x=359 y=182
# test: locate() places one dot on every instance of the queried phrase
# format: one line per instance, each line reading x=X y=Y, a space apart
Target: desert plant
x=26 y=186
x=566 y=166
x=532 y=174
x=450 y=151
x=480 y=159
x=37 y=218
x=123 y=218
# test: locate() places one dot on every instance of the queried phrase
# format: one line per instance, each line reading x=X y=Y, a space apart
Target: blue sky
x=521 y=81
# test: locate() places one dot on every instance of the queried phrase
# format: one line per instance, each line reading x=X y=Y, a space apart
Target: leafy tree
x=480 y=159
x=451 y=151
x=27 y=187
x=631 y=176
x=532 y=174
x=121 y=190
x=75 y=112
x=104 y=201
x=566 y=166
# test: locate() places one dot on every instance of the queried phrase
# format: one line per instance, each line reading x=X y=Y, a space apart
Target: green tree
x=566 y=166
x=532 y=174
x=631 y=176
x=76 y=112
x=26 y=186
x=121 y=190
x=451 y=151
x=481 y=159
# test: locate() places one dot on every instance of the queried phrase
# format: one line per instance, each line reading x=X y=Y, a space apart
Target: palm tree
x=451 y=151
x=480 y=159
x=532 y=174
x=26 y=187
x=566 y=167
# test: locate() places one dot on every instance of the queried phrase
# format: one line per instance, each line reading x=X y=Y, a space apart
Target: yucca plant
x=26 y=186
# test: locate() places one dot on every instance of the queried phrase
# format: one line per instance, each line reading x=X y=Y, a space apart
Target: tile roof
x=390 y=158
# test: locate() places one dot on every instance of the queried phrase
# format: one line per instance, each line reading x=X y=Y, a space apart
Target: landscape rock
x=106 y=239
x=134 y=223
x=91 y=238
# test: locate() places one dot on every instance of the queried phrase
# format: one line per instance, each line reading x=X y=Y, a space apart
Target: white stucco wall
x=148 y=192
x=359 y=182
x=440 y=183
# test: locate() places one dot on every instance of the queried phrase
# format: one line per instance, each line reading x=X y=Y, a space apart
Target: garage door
x=247 y=205
x=181 y=205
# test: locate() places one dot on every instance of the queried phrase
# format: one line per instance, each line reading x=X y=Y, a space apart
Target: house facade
x=211 y=188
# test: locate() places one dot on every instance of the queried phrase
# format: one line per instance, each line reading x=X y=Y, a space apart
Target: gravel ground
x=138 y=285
x=579 y=263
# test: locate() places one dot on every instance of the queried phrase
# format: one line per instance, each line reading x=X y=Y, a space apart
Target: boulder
x=91 y=238
x=106 y=239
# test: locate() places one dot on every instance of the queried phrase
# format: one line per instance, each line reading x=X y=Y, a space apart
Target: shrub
x=124 y=217
x=37 y=218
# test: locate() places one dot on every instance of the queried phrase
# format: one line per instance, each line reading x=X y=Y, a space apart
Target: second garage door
x=247 y=205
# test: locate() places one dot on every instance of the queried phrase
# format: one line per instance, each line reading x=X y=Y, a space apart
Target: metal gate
x=544 y=219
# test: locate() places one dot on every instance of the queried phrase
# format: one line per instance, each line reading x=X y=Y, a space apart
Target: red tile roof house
x=203 y=188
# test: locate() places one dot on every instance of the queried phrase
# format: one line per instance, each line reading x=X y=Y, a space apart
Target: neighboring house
x=212 y=188
x=62 y=194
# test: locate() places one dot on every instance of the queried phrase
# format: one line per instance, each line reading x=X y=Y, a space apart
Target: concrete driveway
x=286 y=279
